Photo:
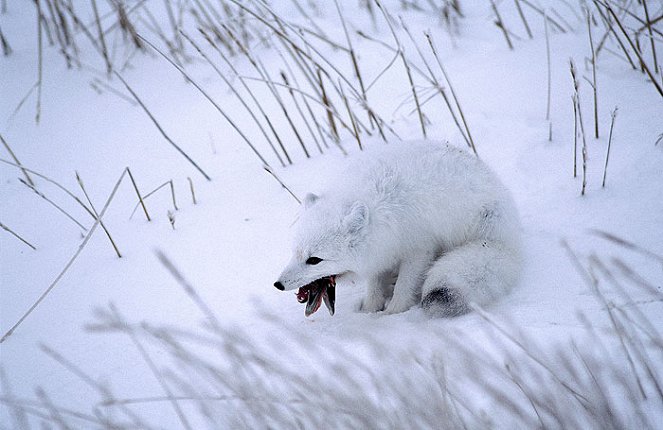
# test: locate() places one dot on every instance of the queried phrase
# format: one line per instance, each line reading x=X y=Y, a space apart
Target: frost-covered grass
x=232 y=87
x=221 y=375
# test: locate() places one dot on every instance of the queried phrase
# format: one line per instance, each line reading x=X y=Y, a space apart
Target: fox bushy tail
x=477 y=272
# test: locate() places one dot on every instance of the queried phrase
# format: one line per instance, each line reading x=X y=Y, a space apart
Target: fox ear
x=356 y=218
x=309 y=199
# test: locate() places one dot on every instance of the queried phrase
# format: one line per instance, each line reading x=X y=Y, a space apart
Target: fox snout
x=279 y=285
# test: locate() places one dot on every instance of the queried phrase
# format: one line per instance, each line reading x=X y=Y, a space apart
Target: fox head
x=329 y=235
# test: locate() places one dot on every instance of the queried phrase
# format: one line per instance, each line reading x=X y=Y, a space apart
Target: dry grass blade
x=355 y=131
x=69 y=263
x=6 y=49
x=401 y=53
x=210 y=40
x=25 y=172
x=543 y=13
x=582 y=127
x=154 y=369
x=16 y=235
x=103 y=390
x=626 y=244
x=271 y=172
x=19 y=417
x=575 y=135
x=306 y=122
x=57 y=184
x=607 y=154
x=102 y=39
x=163 y=133
x=39 y=60
x=643 y=64
x=236 y=93
x=651 y=35
x=55 y=205
x=207 y=96
x=193 y=193
x=146 y=196
x=522 y=17
x=500 y=24
x=453 y=93
x=188 y=289
x=140 y=199
x=610 y=29
x=545 y=26
x=353 y=57
x=329 y=108
x=96 y=215
x=578 y=396
x=594 y=84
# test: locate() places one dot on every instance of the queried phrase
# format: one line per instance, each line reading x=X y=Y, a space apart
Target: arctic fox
x=427 y=214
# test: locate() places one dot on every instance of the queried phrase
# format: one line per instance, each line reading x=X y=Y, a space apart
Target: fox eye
x=313 y=260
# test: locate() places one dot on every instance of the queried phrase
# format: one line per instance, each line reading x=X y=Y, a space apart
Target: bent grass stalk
x=500 y=24
x=146 y=196
x=51 y=181
x=163 y=133
x=140 y=199
x=16 y=235
x=229 y=63
x=69 y=263
x=271 y=172
x=453 y=93
x=55 y=205
x=236 y=93
x=582 y=127
x=594 y=87
x=207 y=96
x=193 y=192
x=401 y=53
x=9 y=150
x=96 y=215
x=607 y=154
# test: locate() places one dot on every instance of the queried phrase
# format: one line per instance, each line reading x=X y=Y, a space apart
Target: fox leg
x=378 y=290
x=407 y=291
x=477 y=272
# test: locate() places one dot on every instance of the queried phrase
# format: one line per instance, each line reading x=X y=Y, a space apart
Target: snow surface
x=233 y=243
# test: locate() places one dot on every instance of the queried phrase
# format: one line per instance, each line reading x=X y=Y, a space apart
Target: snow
x=232 y=244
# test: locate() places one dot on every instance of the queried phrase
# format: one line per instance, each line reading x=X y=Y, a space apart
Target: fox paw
x=371 y=305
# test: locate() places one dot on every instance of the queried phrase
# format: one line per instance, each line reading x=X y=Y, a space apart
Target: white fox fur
x=431 y=215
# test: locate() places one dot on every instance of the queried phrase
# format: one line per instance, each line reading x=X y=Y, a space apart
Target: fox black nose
x=279 y=286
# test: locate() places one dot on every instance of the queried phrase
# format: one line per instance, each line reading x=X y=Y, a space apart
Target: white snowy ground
x=234 y=242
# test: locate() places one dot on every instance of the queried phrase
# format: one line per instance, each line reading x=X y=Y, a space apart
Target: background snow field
x=185 y=330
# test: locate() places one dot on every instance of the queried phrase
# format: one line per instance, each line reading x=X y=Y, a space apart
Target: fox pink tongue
x=318 y=291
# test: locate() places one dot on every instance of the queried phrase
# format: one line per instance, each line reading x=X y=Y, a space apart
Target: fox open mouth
x=313 y=294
